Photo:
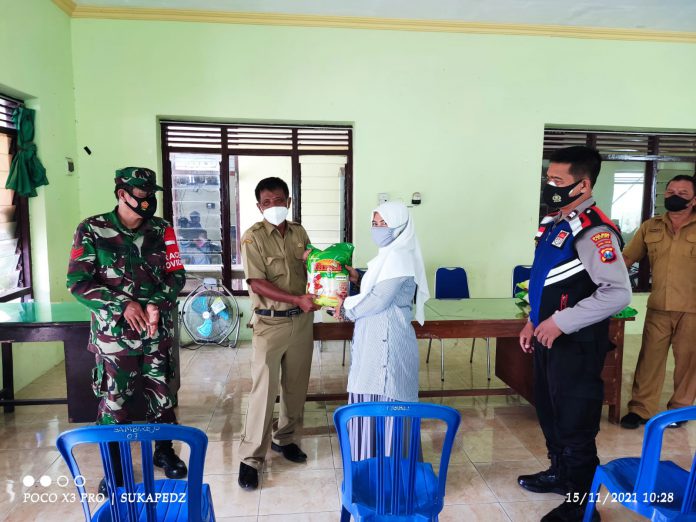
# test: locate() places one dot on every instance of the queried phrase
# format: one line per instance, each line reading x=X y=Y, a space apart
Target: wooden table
x=501 y=319
x=67 y=322
x=45 y=322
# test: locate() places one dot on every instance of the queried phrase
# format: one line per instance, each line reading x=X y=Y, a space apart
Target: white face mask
x=275 y=215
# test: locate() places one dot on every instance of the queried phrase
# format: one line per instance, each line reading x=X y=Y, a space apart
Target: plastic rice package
x=327 y=277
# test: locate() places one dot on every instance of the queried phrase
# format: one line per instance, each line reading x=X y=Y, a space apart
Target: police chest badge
x=560 y=238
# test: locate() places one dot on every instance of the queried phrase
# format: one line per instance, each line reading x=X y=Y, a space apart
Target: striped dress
x=384 y=354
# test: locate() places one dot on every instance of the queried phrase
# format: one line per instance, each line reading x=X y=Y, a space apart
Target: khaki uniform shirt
x=672 y=262
x=268 y=255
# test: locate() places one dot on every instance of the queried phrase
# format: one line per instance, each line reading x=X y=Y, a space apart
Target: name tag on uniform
x=560 y=238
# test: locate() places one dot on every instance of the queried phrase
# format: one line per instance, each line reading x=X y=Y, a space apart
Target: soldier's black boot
x=165 y=458
x=549 y=481
x=115 y=453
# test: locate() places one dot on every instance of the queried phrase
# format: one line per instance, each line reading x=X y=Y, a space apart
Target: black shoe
x=102 y=490
x=677 y=424
x=569 y=512
x=165 y=458
x=543 y=482
x=632 y=421
x=248 y=477
x=291 y=451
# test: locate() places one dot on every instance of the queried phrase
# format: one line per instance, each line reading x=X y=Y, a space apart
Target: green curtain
x=26 y=171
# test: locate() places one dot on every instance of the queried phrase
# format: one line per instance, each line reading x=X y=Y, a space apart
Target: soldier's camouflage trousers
x=114 y=377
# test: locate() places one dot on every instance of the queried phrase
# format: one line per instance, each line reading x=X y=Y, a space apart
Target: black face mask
x=146 y=206
x=676 y=203
x=559 y=197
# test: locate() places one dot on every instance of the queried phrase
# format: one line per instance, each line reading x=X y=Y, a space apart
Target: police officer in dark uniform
x=577 y=282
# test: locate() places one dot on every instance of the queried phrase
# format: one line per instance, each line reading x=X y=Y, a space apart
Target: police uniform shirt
x=613 y=291
x=672 y=262
x=266 y=254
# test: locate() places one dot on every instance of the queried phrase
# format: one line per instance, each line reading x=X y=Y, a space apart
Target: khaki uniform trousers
x=662 y=329
x=281 y=345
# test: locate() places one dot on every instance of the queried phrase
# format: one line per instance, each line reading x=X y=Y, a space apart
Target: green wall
x=457 y=117
x=36 y=65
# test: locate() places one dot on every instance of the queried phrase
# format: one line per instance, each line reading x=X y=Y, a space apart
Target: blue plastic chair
x=520 y=274
x=395 y=484
x=452 y=283
x=197 y=504
x=658 y=490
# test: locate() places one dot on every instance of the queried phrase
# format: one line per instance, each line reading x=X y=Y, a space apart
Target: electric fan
x=210 y=314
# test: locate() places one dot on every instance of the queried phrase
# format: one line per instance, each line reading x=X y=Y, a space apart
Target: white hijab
x=400 y=258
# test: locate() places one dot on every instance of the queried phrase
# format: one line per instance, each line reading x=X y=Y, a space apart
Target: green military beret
x=140 y=177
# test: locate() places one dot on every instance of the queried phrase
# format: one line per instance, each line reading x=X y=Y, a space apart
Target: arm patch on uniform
x=173 y=262
x=607 y=252
x=77 y=252
x=608 y=255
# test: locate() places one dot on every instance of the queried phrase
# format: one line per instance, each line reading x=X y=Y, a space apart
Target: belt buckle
x=293 y=312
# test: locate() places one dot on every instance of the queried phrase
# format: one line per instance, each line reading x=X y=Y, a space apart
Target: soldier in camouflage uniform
x=125 y=267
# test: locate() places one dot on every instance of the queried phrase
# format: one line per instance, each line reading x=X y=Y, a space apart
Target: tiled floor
x=499 y=438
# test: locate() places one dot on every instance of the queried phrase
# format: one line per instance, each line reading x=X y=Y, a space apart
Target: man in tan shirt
x=670 y=243
x=273 y=253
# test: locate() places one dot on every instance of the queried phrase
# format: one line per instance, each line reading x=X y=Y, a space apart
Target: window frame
x=651 y=147
x=225 y=151
x=24 y=289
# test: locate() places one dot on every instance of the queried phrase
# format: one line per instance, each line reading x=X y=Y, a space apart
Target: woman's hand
x=353 y=275
x=338 y=310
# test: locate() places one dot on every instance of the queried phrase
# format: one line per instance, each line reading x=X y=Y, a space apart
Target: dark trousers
x=569 y=391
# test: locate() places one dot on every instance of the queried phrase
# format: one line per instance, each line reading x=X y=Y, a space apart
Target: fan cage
x=210 y=314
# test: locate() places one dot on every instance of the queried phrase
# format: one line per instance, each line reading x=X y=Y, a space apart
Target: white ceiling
x=659 y=15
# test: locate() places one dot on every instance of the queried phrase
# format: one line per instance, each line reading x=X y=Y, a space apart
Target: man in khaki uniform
x=670 y=243
x=273 y=253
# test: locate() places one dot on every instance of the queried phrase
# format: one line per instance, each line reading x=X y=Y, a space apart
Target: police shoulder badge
x=608 y=255
x=607 y=252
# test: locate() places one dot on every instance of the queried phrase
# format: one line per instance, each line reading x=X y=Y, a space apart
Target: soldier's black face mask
x=559 y=197
x=145 y=207
x=676 y=203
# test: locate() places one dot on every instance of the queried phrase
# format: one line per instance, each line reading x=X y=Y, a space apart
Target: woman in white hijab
x=384 y=354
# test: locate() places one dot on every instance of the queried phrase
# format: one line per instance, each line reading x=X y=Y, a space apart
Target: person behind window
x=202 y=251
x=669 y=241
x=125 y=267
x=384 y=353
x=194 y=219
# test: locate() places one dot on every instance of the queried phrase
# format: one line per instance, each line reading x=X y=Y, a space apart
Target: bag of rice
x=327 y=277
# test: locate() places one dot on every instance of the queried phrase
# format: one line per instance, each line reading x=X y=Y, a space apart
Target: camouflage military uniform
x=111 y=265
